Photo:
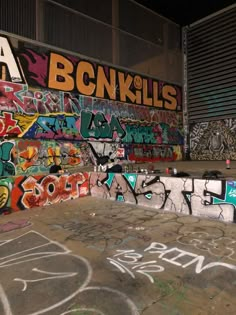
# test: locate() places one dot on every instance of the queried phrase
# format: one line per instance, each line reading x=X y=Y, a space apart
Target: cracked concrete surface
x=90 y=256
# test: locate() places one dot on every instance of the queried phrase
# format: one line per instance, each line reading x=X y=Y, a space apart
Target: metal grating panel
x=142 y=23
x=93 y=8
x=121 y=32
x=211 y=63
x=18 y=17
x=77 y=32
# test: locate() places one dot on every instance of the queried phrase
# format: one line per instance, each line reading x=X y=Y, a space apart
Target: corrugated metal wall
x=211 y=68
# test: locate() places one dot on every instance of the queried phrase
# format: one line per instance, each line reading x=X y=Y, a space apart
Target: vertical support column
x=166 y=50
x=39 y=36
x=185 y=95
x=115 y=32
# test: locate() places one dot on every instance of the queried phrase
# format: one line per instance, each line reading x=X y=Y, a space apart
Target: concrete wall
x=58 y=106
x=54 y=104
x=214 y=199
x=24 y=192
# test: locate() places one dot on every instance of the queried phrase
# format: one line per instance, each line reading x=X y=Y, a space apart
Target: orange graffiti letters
x=51 y=189
x=109 y=83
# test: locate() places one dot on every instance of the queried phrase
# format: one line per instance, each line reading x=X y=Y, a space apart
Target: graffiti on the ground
x=33 y=263
x=214 y=140
x=131 y=262
x=14 y=225
x=197 y=197
x=215 y=245
x=100 y=235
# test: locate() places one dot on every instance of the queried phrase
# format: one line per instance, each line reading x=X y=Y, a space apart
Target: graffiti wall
x=24 y=156
x=23 y=192
x=54 y=103
x=6 y=185
x=214 y=199
x=214 y=140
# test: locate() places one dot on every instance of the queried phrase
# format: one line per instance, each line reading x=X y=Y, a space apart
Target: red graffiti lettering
x=51 y=189
x=8 y=125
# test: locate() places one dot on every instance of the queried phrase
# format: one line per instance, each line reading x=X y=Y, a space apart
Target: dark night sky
x=185 y=12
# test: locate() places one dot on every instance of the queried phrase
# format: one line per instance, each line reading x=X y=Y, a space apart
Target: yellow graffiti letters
x=124 y=84
x=169 y=94
x=106 y=82
x=104 y=85
x=146 y=100
x=59 y=73
x=84 y=74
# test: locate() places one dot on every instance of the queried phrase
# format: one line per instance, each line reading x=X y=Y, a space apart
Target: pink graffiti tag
x=37 y=66
x=14 y=225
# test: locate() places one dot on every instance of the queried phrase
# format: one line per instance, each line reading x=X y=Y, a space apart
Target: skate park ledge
x=185 y=192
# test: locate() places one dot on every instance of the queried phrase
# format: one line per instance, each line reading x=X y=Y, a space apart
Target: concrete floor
x=93 y=257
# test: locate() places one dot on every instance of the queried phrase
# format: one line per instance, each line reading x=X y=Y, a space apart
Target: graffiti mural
x=23 y=192
x=96 y=126
x=69 y=73
x=209 y=198
x=215 y=140
x=56 y=71
x=7 y=155
x=113 y=151
x=103 y=122
x=151 y=153
x=6 y=185
x=35 y=156
x=35 y=191
x=46 y=95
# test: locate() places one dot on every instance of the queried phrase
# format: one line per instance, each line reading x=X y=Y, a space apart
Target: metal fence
x=122 y=33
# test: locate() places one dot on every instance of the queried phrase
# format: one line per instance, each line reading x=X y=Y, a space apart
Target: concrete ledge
x=24 y=192
x=214 y=199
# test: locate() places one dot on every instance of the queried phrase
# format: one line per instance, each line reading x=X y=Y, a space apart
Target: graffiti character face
x=216 y=141
x=138 y=82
